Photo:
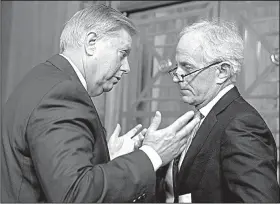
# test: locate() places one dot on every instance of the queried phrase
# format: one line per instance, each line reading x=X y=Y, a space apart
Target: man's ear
x=90 y=41
x=223 y=72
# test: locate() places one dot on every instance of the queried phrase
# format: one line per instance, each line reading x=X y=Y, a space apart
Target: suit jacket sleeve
x=160 y=192
x=249 y=161
x=61 y=135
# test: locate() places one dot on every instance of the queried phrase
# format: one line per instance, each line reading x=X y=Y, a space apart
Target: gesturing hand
x=127 y=143
x=169 y=142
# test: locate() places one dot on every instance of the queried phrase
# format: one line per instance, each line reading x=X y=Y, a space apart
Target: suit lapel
x=63 y=64
x=197 y=143
x=201 y=136
x=226 y=100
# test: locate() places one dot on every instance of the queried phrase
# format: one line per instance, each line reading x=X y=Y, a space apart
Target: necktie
x=175 y=171
x=175 y=168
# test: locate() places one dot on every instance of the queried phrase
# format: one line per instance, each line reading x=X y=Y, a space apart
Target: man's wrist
x=153 y=156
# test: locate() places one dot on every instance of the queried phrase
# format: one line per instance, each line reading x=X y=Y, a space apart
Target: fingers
x=155 y=122
x=182 y=121
x=182 y=148
x=137 y=143
x=138 y=139
x=133 y=131
x=143 y=132
x=116 y=133
x=189 y=128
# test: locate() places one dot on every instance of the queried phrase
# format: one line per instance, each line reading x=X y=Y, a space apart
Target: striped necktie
x=175 y=168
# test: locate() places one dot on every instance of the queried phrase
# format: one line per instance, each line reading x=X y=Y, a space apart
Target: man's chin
x=107 y=89
x=188 y=99
x=98 y=91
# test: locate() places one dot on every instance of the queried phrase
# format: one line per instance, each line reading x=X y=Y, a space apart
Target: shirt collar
x=79 y=74
x=206 y=109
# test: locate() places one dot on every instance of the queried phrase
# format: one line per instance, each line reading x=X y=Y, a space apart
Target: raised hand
x=138 y=139
x=169 y=142
x=126 y=143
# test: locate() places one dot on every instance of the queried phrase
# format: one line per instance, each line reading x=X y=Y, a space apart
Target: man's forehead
x=183 y=55
x=185 y=58
x=188 y=45
x=125 y=38
x=121 y=39
x=126 y=42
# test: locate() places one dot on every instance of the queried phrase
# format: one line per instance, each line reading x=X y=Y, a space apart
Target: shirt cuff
x=153 y=155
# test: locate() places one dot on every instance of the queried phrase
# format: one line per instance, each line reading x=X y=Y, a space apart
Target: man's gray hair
x=220 y=41
x=99 y=18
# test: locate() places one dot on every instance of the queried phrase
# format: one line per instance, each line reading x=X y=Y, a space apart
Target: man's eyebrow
x=126 y=51
x=184 y=63
x=126 y=46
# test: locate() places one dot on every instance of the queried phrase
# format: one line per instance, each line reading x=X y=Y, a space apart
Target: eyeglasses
x=181 y=77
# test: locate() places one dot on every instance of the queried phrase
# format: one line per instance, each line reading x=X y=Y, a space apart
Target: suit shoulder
x=42 y=81
x=68 y=90
x=246 y=120
x=240 y=108
x=48 y=71
x=242 y=116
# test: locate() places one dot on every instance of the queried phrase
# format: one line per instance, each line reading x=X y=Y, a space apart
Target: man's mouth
x=184 y=91
x=117 y=79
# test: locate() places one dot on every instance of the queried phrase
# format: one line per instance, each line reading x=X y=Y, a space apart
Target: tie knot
x=199 y=115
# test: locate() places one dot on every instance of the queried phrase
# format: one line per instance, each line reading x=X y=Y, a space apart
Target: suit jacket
x=232 y=158
x=54 y=147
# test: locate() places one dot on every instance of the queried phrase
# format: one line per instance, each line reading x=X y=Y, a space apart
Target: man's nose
x=176 y=79
x=125 y=67
x=177 y=76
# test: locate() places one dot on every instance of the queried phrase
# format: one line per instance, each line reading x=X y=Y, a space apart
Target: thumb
x=155 y=122
x=116 y=133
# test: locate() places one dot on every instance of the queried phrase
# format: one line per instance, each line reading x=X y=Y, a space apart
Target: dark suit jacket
x=231 y=159
x=54 y=148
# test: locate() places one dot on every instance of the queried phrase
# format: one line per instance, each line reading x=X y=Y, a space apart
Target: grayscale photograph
x=139 y=102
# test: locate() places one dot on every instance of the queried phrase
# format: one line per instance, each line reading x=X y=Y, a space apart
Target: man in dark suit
x=231 y=156
x=53 y=145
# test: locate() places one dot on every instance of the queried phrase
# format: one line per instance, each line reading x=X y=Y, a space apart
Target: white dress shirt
x=150 y=152
x=204 y=111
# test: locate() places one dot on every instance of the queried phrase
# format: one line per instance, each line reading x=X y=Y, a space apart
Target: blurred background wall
x=30 y=32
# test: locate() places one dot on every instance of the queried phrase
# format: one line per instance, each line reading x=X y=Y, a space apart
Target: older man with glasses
x=231 y=155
